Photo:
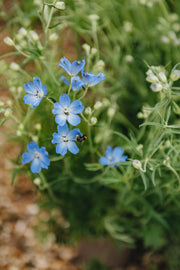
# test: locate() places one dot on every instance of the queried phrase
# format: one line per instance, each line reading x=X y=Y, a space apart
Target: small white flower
x=156 y=87
x=9 y=41
x=86 y=47
x=34 y=36
x=93 y=17
x=175 y=75
x=22 y=31
x=93 y=120
x=162 y=77
x=111 y=112
x=34 y=138
x=37 y=181
x=88 y=110
x=165 y=39
x=7 y=112
x=53 y=37
x=93 y=51
x=137 y=164
x=9 y=102
x=19 y=89
x=152 y=78
x=14 y=66
x=37 y=126
x=97 y=105
x=60 y=5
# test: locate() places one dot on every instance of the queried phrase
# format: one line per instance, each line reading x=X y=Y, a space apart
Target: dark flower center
x=66 y=111
x=37 y=155
x=64 y=138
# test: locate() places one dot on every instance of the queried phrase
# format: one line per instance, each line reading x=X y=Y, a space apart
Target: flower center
x=111 y=159
x=37 y=155
x=39 y=94
x=65 y=139
x=66 y=111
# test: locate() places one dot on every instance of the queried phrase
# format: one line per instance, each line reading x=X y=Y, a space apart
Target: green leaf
x=151 y=124
x=145 y=180
x=55 y=25
x=93 y=166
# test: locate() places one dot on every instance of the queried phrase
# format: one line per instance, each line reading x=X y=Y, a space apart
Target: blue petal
x=64 y=100
x=77 y=66
x=72 y=147
x=35 y=166
x=29 y=88
x=118 y=152
x=37 y=83
x=32 y=147
x=109 y=151
x=56 y=138
x=72 y=134
x=77 y=83
x=65 y=80
x=91 y=79
x=65 y=64
x=27 y=157
x=44 y=88
x=61 y=148
x=63 y=130
x=103 y=161
x=57 y=108
x=31 y=99
x=123 y=158
x=60 y=119
x=76 y=107
x=45 y=162
x=73 y=119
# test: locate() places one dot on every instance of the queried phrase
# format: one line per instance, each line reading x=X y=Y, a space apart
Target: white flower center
x=37 y=155
x=111 y=159
x=39 y=93
x=66 y=111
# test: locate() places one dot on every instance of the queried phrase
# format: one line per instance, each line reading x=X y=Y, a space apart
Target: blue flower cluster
x=65 y=111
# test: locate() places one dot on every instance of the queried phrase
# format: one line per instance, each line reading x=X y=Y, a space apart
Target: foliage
x=133 y=43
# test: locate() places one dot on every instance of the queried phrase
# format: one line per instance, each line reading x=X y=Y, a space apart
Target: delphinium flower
x=76 y=83
x=65 y=140
x=90 y=79
x=72 y=69
x=36 y=92
x=113 y=157
x=67 y=111
x=38 y=156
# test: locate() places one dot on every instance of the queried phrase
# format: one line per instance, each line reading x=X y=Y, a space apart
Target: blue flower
x=113 y=156
x=65 y=140
x=91 y=79
x=76 y=82
x=72 y=69
x=36 y=92
x=38 y=156
x=67 y=111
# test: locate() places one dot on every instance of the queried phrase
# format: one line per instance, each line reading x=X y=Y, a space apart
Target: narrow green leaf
x=151 y=124
x=55 y=25
x=145 y=180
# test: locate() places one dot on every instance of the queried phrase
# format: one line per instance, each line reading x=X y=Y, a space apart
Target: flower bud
x=1 y=103
x=9 y=102
x=37 y=126
x=34 y=36
x=175 y=75
x=86 y=47
x=19 y=89
x=88 y=110
x=162 y=77
x=97 y=105
x=166 y=162
x=93 y=120
x=165 y=39
x=14 y=66
x=35 y=138
x=21 y=126
x=7 y=112
x=137 y=164
x=9 y=41
x=60 y=5
x=53 y=37
x=37 y=181
x=111 y=112
x=93 y=51
x=93 y=17
x=129 y=58
x=22 y=31
x=152 y=78
x=156 y=87
x=12 y=89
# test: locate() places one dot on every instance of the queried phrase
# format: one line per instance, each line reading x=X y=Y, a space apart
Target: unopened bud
x=37 y=181
x=88 y=110
x=137 y=164
x=7 y=112
x=37 y=126
x=53 y=37
x=21 y=126
x=14 y=66
x=19 y=133
x=9 y=102
x=9 y=41
x=97 y=105
x=152 y=78
x=162 y=77
x=175 y=75
x=93 y=17
x=86 y=47
x=166 y=162
x=1 y=103
x=19 y=89
x=156 y=87
x=93 y=51
x=93 y=120
x=60 y=5
x=35 y=138
x=111 y=112
x=34 y=35
x=22 y=31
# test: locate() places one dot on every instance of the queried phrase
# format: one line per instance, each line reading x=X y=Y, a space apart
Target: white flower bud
x=93 y=17
x=152 y=78
x=37 y=181
x=22 y=31
x=26 y=22
x=106 y=102
x=34 y=36
x=60 y=5
x=7 y=112
x=156 y=87
x=19 y=133
x=14 y=66
x=97 y=105
x=37 y=126
x=137 y=164
x=128 y=26
x=93 y=51
x=35 y=138
x=53 y=37
x=21 y=127
x=12 y=89
x=172 y=35
x=166 y=162
x=9 y=102
x=129 y=58
x=165 y=39
x=86 y=47
x=19 y=89
x=175 y=75
x=93 y=120
x=1 y=103
x=162 y=76
x=9 y=41
x=88 y=110
x=111 y=112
